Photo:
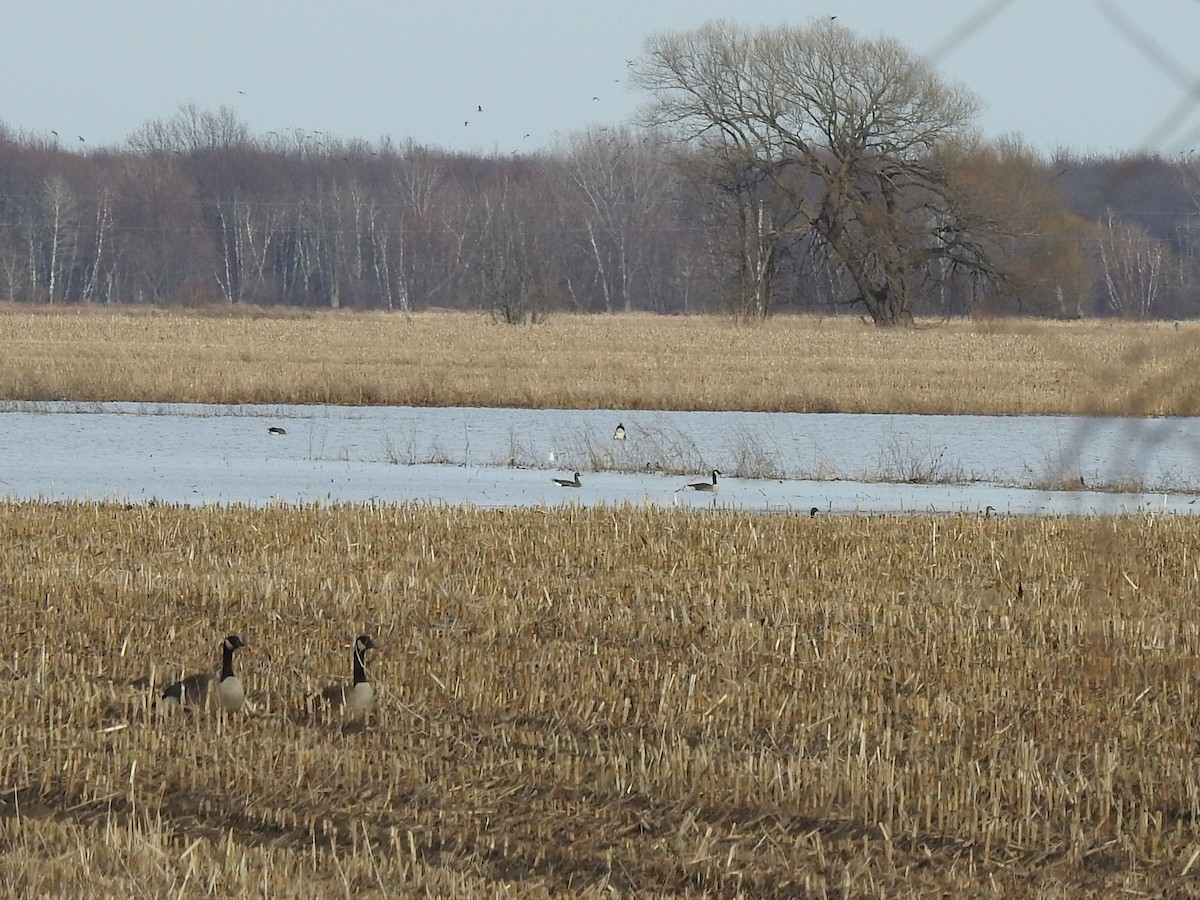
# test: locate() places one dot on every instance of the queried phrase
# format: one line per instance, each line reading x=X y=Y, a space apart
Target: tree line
x=799 y=169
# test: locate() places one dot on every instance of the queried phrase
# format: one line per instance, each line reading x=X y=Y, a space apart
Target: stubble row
x=571 y=699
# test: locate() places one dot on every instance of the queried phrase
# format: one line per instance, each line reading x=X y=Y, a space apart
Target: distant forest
x=196 y=210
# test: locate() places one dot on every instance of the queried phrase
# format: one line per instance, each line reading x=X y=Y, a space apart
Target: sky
x=481 y=76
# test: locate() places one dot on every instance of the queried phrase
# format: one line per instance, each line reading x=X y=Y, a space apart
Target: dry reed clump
x=575 y=700
x=797 y=364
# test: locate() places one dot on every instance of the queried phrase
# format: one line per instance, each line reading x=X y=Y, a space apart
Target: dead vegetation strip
x=633 y=362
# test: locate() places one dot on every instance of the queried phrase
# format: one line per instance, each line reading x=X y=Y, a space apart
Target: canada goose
x=619 y=433
x=193 y=690
x=812 y=513
x=190 y=691
x=359 y=698
x=275 y=429
x=711 y=487
x=567 y=482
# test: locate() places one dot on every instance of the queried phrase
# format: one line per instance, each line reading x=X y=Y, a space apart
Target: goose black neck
x=360 y=670
x=226 y=662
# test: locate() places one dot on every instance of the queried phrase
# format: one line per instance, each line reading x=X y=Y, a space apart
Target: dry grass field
x=596 y=702
x=619 y=362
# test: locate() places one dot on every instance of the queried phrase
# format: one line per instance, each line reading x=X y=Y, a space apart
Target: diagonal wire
x=1157 y=56
x=966 y=29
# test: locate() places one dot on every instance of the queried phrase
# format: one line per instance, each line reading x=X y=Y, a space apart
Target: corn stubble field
x=606 y=701
x=600 y=701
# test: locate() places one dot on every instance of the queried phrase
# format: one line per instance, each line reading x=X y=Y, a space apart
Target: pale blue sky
x=1059 y=72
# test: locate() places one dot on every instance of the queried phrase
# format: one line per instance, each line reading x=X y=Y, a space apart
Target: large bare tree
x=844 y=128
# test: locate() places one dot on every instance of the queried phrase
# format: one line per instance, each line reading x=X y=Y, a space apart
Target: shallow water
x=201 y=454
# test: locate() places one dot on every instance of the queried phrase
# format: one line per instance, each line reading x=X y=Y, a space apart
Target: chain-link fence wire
x=1176 y=122
x=1177 y=118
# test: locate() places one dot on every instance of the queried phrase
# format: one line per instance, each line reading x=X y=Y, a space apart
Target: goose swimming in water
x=709 y=486
x=568 y=482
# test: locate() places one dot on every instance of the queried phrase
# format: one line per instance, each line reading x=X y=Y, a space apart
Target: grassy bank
x=659 y=702
x=620 y=362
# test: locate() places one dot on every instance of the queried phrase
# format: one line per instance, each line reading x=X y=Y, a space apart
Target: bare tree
x=191 y=130
x=745 y=228
x=101 y=267
x=508 y=261
x=60 y=232
x=843 y=128
x=1036 y=241
x=160 y=237
x=622 y=182
x=1132 y=263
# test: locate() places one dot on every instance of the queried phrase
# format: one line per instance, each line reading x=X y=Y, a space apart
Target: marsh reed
x=574 y=701
x=794 y=364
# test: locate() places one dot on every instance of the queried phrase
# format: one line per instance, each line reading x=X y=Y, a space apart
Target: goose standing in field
x=709 y=486
x=619 y=432
x=569 y=482
x=357 y=699
x=193 y=689
x=189 y=691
